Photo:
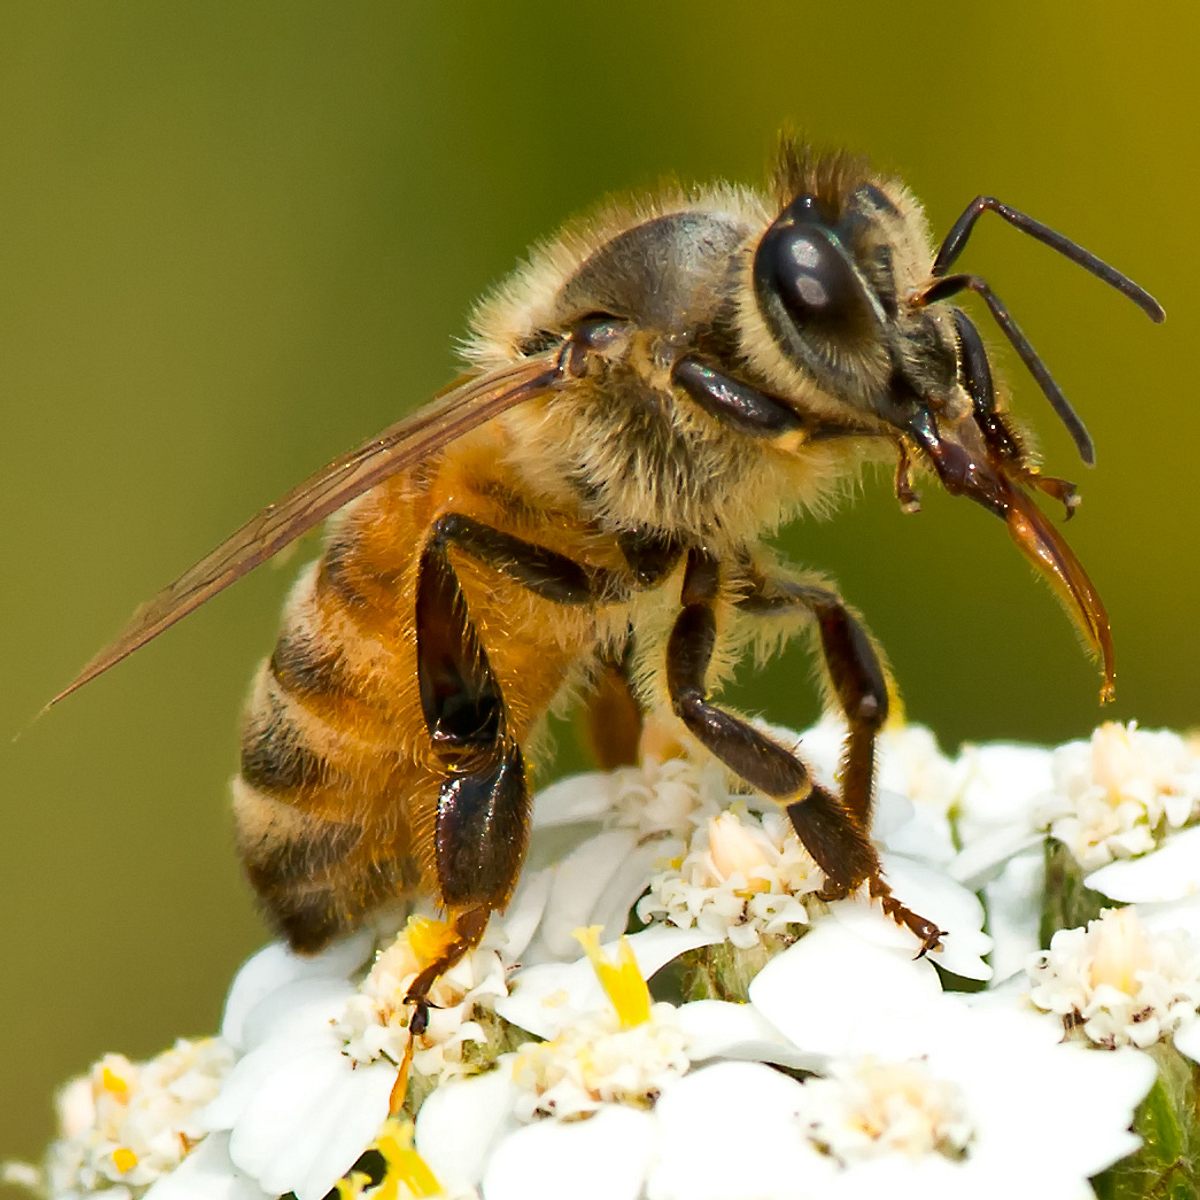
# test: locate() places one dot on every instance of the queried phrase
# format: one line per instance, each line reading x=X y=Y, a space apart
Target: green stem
x=1167 y=1167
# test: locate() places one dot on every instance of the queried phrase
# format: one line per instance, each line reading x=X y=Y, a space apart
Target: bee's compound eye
x=810 y=274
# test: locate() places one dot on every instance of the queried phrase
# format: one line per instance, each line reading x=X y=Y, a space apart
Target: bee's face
x=852 y=298
x=836 y=287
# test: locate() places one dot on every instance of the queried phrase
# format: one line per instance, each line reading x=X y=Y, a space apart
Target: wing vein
x=464 y=406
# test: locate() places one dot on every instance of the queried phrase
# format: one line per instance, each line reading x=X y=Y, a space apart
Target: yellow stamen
x=110 y=1081
x=124 y=1159
x=428 y=938
x=406 y=1173
x=622 y=981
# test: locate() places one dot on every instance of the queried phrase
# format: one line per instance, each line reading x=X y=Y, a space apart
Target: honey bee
x=584 y=514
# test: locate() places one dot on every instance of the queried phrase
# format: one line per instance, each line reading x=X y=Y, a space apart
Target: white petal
x=579 y=882
x=891 y=815
x=984 y=858
x=731 y=1131
x=602 y=1158
x=829 y=992
x=460 y=1122
x=928 y=1177
x=719 y=1029
x=300 y=1113
x=936 y=898
x=271 y=1140
x=628 y=882
x=1073 y=1121
x=525 y=912
x=1171 y=872
x=956 y=911
x=1167 y=918
x=544 y=999
x=1187 y=1039
x=1085 y=1104
x=819 y=746
x=275 y=966
x=576 y=799
x=207 y=1174
x=349 y=1123
x=1001 y=785
x=926 y=837
x=291 y=1010
x=1014 y=907
x=251 y=1072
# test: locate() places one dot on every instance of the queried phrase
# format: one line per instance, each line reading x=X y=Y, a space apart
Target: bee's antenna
x=948 y=285
x=956 y=239
x=951 y=285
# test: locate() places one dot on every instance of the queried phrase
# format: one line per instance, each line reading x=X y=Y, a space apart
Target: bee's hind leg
x=483 y=806
x=469 y=927
x=832 y=831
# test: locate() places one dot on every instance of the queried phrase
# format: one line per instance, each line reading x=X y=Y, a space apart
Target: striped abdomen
x=337 y=801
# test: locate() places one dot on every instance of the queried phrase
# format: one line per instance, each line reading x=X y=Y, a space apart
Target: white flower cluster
x=125 y=1125
x=1121 y=793
x=742 y=877
x=749 y=1040
x=597 y=1061
x=374 y=1022
x=1118 y=982
x=866 y=1110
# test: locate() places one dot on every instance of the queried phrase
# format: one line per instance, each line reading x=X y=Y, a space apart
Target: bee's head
x=825 y=282
x=853 y=300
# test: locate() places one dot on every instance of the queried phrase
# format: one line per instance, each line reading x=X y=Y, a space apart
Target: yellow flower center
x=1120 y=950
x=622 y=981
x=110 y=1081
x=124 y=1159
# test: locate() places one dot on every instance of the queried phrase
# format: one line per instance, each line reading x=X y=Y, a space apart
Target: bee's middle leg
x=612 y=717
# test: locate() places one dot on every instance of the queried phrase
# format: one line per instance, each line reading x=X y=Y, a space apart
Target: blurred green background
x=235 y=238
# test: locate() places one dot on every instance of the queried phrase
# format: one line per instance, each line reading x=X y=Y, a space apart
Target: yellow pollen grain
x=110 y=1081
x=622 y=981
x=124 y=1159
x=429 y=939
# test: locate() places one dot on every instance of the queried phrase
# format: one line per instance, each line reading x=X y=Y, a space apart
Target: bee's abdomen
x=331 y=779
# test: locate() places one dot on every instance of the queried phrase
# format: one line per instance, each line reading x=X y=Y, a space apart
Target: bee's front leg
x=855 y=669
x=830 y=833
x=830 y=829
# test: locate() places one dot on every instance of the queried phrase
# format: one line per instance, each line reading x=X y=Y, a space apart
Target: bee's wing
x=470 y=403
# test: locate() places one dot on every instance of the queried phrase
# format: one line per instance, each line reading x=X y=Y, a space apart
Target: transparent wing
x=461 y=408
